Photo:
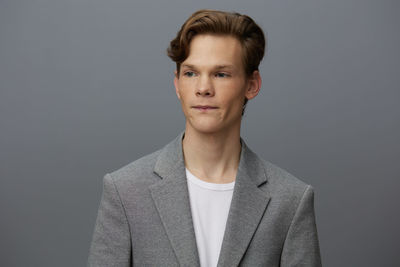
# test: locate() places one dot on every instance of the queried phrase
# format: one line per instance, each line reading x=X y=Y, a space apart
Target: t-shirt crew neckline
x=211 y=186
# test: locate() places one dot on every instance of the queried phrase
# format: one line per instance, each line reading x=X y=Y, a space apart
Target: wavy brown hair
x=208 y=21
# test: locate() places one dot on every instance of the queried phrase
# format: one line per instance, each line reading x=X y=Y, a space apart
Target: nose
x=204 y=87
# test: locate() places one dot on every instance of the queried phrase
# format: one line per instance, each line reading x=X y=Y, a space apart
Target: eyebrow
x=227 y=66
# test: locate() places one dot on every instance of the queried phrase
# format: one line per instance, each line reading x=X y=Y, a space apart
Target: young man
x=206 y=199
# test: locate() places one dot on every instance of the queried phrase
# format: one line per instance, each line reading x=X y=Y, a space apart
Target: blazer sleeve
x=111 y=242
x=301 y=247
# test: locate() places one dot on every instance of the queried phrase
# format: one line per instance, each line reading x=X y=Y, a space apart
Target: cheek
x=234 y=95
x=186 y=82
x=233 y=106
x=184 y=89
x=181 y=89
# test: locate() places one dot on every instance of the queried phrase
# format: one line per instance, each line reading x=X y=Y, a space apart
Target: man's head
x=217 y=55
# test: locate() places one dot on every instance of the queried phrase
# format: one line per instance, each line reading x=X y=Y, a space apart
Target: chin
x=205 y=128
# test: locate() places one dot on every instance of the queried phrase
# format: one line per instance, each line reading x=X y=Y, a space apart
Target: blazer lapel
x=248 y=205
x=171 y=198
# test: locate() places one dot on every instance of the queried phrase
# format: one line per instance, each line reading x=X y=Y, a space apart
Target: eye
x=189 y=74
x=221 y=75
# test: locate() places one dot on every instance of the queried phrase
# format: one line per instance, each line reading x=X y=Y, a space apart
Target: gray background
x=86 y=88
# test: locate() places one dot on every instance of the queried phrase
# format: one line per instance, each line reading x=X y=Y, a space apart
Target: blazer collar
x=171 y=197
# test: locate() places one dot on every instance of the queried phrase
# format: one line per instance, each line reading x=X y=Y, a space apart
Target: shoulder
x=283 y=185
x=139 y=171
x=281 y=177
x=277 y=181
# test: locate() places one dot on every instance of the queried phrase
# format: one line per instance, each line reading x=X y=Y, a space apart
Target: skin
x=213 y=74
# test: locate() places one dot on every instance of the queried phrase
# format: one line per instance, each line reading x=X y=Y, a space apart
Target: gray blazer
x=144 y=218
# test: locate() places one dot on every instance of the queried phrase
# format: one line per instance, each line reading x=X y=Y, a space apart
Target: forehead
x=213 y=50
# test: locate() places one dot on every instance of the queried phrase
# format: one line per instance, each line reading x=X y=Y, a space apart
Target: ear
x=253 y=85
x=176 y=79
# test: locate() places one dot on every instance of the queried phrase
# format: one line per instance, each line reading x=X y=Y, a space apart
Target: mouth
x=203 y=108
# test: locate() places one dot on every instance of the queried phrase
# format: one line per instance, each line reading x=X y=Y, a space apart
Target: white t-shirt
x=210 y=203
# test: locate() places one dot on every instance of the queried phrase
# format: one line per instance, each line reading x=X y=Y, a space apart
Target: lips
x=204 y=107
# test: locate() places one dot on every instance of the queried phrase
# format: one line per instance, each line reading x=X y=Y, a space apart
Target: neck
x=212 y=157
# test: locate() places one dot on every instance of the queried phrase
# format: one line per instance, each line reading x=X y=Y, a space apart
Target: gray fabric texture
x=144 y=218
